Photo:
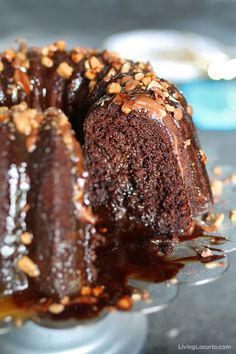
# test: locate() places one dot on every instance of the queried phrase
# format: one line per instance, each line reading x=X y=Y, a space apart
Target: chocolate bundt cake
x=47 y=227
x=146 y=168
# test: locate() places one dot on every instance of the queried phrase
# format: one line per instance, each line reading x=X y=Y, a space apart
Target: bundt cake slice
x=60 y=216
x=47 y=234
x=144 y=159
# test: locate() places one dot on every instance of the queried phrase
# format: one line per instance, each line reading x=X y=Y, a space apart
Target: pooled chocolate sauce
x=121 y=257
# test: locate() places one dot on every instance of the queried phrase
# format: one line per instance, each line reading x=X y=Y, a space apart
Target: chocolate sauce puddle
x=122 y=256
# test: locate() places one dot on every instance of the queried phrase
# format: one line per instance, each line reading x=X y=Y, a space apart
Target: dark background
x=200 y=315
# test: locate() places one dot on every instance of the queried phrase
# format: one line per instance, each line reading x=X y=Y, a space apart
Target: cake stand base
x=116 y=333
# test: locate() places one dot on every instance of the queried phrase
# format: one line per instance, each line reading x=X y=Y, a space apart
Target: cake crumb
x=56 y=309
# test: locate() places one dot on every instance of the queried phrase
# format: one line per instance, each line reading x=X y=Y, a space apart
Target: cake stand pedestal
x=116 y=333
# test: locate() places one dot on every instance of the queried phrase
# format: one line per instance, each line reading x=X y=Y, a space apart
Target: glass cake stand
x=125 y=332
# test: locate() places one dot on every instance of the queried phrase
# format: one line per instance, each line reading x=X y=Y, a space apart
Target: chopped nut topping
x=28 y=266
x=203 y=156
x=218 y=219
x=125 y=79
x=86 y=215
x=68 y=140
x=44 y=51
x=4 y=112
x=65 y=300
x=19 y=107
x=206 y=253
x=86 y=290
x=76 y=57
x=25 y=120
x=178 y=114
x=125 y=68
x=131 y=85
x=126 y=108
x=187 y=143
x=43 y=300
x=26 y=238
x=95 y=63
x=153 y=85
x=232 y=215
x=9 y=54
x=97 y=291
x=30 y=143
x=124 y=303
x=46 y=61
x=110 y=74
x=56 y=309
x=65 y=70
x=90 y=74
x=92 y=85
x=217 y=170
x=139 y=76
x=61 y=45
x=170 y=108
x=1 y=66
x=113 y=88
x=146 y=80
x=217 y=187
